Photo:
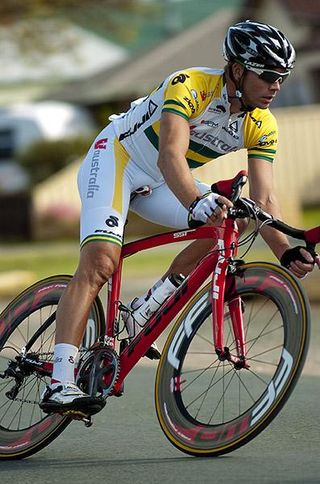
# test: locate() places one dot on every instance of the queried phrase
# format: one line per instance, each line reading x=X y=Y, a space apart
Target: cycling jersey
x=124 y=155
x=200 y=96
x=107 y=179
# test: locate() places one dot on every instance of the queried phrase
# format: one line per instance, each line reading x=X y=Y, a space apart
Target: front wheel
x=27 y=332
x=208 y=407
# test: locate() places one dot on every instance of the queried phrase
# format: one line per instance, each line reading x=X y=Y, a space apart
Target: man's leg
x=98 y=260
x=189 y=257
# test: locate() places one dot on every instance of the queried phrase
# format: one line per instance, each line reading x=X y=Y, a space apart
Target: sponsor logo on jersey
x=266 y=136
x=217 y=109
x=204 y=94
x=101 y=144
x=214 y=141
x=180 y=78
x=210 y=123
x=258 y=123
x=190 y=104
x=232 y=129
x=108 y=232
x=112 y=221
x=267 y=143
x=152 y=107
x=195 y=97
x=93 y=175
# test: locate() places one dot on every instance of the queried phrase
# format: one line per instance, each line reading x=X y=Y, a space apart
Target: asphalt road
x=126 y=444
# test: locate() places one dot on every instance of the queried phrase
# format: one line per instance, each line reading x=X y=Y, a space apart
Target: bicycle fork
x=222 y=286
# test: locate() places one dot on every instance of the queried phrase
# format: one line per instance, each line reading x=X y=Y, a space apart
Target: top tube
x=205 y=232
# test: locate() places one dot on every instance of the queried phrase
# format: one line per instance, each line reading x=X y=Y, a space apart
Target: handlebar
x=245 y=207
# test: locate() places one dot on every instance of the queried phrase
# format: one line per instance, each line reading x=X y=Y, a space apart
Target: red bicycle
x=228 y=366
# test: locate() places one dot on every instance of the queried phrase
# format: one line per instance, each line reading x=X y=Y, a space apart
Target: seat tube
x=112 y=304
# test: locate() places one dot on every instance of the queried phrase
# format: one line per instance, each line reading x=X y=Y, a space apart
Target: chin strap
x=244 y=107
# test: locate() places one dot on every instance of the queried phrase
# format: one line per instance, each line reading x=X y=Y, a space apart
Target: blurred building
x=162 y=36
x=300 y=20
x=200 y=45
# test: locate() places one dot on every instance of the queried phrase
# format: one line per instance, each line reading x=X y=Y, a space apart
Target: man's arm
x=262 y=192
x=173 y=146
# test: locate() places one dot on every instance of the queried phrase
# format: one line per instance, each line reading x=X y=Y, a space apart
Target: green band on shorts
x=101 y=238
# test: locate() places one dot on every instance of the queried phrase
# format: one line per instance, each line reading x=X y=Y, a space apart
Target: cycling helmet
x=258 y=45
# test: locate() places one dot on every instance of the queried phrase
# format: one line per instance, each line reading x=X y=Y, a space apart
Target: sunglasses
x=268 y=75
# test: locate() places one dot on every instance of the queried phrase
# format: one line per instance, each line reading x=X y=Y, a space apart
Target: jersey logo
x=258 y=123
x=234 y=126
x=180 y=78
x=190 y=104
x=152 y=107
x=101 y=144
x=112 y=221
x=217 y=109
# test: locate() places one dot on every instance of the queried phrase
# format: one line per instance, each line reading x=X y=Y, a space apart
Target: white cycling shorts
x=107 y=179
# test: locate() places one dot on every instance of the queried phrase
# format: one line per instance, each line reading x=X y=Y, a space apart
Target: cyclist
x=193 y=117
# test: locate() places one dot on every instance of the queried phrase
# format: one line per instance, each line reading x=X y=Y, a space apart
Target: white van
x=23 y=124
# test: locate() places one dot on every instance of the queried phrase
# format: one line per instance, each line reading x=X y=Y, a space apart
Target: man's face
x=258 y=93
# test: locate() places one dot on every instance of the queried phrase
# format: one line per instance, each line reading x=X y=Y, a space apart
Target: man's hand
x=211 y=209
x=300 y=261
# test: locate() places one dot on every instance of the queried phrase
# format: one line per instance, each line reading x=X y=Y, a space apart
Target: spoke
x=262 y=332
x=212 y=366
x=200 y=395
x=280 y=346
x=245 y=386
x=203 y=338
x=196 y=378
x=260 y=378
x=225 y=388
x=205 y=394
x=267 y=333
x=264 y=362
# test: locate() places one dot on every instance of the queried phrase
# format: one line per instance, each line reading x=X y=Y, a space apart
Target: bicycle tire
x=29 y=321
x=206 y=407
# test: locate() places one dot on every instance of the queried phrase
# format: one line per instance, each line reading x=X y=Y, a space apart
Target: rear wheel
x=208 y=407
x=27 y=330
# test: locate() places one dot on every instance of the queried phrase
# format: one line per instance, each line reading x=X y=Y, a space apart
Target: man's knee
x=98 y=261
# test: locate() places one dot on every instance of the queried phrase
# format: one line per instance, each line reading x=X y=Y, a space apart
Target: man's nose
x=275 y=86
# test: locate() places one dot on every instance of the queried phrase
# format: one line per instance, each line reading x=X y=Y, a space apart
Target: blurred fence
x=296 y=169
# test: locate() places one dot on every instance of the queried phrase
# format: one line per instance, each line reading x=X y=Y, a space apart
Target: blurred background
x=67 y=65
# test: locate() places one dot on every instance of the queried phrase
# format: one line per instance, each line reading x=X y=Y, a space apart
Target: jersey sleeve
x=261 y=135
x=181 y=94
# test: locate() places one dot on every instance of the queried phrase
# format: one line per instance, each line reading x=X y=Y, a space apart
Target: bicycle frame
x=216 y=262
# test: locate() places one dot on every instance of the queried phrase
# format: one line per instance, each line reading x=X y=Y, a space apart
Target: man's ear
x=237 y=70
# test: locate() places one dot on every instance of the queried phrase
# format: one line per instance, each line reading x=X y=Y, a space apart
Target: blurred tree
x=39 y=27
x=14 y=10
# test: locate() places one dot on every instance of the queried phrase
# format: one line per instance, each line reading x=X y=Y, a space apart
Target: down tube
x=162 y=318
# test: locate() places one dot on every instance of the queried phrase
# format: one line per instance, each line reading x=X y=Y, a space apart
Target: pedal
x=77 y=415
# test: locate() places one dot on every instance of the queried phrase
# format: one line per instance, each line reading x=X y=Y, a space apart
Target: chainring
x=98 y=372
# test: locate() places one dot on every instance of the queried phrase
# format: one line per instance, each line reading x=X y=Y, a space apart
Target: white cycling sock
x=63 y=363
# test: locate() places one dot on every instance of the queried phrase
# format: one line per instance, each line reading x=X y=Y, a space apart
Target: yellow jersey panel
x=199 y=95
